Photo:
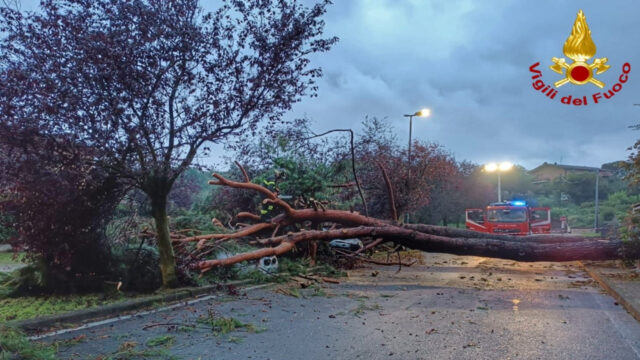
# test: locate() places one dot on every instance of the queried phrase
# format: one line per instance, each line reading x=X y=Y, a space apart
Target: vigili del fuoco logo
x=579 y=48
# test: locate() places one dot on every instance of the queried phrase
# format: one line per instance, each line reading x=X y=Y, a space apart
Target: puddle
x=515 y=304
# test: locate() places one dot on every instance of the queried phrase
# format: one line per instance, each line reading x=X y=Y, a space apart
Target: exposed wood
x=217 y=223
x=513 y=250
x=273 y=198
x=250 y=230
x=244 y=172
x=248 y=215
x=392 y=201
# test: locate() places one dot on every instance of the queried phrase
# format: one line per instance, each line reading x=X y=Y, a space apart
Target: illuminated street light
x=505 y=166
x=424 y=112
x=499 y=168
x=491 y=167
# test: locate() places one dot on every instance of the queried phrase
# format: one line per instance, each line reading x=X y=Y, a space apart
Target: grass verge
x=28 y=307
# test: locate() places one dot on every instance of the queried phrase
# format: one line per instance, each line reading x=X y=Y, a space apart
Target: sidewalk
x=623 y=284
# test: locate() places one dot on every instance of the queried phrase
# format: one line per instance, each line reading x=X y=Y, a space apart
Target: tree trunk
x=167 y=258
x=526 y=248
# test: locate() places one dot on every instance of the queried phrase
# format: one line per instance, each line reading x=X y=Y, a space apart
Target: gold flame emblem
x=579 y=47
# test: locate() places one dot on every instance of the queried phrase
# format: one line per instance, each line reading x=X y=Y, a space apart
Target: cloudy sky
x=469 y=62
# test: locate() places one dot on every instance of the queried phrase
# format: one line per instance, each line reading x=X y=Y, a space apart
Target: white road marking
x=142 y=313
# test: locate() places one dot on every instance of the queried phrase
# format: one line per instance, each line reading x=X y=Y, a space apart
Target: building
x=549 y=172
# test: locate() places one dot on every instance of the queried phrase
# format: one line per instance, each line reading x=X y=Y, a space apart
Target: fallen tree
x=429 y=238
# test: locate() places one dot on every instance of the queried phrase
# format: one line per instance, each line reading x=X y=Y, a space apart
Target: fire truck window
x=539 y=215
x=476 y=216
x=507 y=215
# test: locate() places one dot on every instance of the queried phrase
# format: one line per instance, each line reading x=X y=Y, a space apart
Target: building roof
x=567 y=167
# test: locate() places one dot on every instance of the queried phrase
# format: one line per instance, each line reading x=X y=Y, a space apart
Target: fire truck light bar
x=518 y=203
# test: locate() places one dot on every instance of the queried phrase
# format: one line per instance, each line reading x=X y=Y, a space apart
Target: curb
x=60 y=320
x=611 y=289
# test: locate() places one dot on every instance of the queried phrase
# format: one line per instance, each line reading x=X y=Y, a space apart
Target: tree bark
x=524 y=249
x=165 y=250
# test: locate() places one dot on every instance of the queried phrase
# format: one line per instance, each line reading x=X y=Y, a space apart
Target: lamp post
x=499 y=168
x=422 y=113
x=595 y=220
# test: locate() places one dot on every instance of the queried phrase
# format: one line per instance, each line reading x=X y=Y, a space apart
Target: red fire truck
x=509 y=218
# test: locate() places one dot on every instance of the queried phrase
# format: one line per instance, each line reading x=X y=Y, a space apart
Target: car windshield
x=507 y=215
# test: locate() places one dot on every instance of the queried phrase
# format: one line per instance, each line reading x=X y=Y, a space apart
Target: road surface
x=451 y=307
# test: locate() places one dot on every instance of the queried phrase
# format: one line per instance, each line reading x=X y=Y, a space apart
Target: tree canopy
x=147 y=84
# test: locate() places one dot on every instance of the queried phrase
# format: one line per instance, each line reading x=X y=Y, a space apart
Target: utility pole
x=499 y=188
x=595 y=220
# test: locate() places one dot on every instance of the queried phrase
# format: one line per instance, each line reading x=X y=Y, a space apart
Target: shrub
x=607 y=213
x=58 y=202
x=137 y=267
x=26 y=280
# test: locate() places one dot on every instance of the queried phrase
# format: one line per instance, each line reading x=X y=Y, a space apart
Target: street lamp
x=499 y=168
x=422 y=113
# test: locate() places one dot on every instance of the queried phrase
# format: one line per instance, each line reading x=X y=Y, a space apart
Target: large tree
x=149 y=83
x=413 y=182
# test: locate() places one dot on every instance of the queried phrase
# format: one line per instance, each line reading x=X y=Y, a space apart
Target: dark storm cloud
x=469 y=61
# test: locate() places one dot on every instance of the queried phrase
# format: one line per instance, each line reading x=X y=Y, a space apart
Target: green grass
x=186 y=329
x=162 y=340
x=14 y=345
x=591 y=234
x=293 y=267
x=129 y=350
x=8 y=258
x=221 y=325
x=27 y=307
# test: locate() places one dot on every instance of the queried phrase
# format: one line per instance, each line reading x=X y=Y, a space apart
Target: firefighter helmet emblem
x=579 y=47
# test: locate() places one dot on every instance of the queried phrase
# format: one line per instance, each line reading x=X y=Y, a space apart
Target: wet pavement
x=451 y=307
x=7 y=268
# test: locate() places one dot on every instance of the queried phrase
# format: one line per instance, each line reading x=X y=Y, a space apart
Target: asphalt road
x=452 y=307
